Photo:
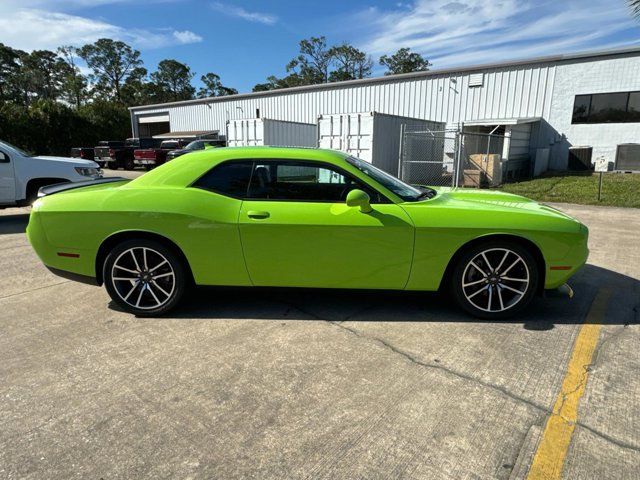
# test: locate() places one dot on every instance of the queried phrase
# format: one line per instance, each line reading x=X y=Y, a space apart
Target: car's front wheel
x=144 y=277
x=495 y=279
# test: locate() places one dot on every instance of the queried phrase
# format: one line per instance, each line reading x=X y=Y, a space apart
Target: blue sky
x=244 y=41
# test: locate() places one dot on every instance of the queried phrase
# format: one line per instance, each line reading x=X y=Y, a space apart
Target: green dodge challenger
x=292 y=217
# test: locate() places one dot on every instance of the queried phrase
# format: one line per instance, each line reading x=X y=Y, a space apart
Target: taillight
x=81 y=154
x=112 y=152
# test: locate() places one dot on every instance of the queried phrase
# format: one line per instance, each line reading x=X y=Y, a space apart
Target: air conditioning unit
x=580 y=158
x=628 y=157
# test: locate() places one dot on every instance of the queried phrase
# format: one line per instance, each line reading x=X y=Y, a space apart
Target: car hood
x=73 y=162
x=494 y=201
x=180 y=151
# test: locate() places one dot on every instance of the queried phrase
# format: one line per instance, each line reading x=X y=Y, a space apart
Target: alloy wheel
x=496 y=280
x=143 y=278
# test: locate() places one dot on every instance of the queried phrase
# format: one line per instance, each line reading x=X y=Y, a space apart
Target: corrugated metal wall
x=523 y=91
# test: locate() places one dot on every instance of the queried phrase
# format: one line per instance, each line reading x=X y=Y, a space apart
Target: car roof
x=185 y=169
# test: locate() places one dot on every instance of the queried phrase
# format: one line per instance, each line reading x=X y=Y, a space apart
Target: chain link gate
x=450 y=158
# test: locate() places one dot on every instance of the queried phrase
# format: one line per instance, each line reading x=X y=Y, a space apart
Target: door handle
x=257 y=214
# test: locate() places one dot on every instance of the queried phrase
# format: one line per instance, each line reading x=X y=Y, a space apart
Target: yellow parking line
x=554 y=444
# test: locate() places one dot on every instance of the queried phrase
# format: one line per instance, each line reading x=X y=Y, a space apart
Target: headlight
x=89 y=172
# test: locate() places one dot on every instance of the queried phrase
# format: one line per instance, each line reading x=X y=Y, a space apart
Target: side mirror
x=358 y=198
x=4 y=158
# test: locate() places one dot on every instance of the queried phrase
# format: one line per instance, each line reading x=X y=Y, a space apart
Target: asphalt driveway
x=243 y=383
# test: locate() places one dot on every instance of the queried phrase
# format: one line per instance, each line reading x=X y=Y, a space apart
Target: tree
x=213 y=87
x=112 y=63
x=404 y=62
x=74 y=87
x=137 y=90
x=352 y=63
x=275 y=83
x=318 y=63
x=312 y=65
x=270 y=84
x=173 y=80
x=9 y=68
x=41 y=76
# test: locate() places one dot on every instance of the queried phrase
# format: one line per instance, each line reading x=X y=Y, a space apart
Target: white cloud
x=186 y=36
x=55 y=29
x=239 y=12
x=454 y=32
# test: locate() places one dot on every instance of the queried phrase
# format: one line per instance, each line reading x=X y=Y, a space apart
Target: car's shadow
x=401 y=306
x=16 y=223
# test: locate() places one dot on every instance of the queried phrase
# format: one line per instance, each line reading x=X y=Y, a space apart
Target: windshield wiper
x=426 y=193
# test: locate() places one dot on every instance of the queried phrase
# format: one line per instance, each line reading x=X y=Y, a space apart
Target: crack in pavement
x=34 y=289
x=434 y=366
x=492 y=386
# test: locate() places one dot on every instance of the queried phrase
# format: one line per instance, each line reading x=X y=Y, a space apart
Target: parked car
x=86 y=153
x=292 y=217
x=194 y=146
x=118 y=154
x=152 y=157
x=22 y=174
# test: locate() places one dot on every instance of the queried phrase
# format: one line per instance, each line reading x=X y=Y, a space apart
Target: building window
x=619 y=107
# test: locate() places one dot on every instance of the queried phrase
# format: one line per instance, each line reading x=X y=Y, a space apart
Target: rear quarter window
x=229 y=178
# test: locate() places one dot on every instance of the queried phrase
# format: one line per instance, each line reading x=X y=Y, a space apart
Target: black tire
x=129 y=164
x=151 y=287
x=490 y=295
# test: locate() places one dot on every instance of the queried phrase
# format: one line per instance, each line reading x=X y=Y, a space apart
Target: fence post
x=401 y=152
x=600 y=187
x=458 y=156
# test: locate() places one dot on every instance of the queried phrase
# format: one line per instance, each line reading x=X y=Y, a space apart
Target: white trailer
x=266 y=131
x=371 y=136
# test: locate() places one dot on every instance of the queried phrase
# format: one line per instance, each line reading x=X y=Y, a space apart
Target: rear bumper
x=144 y=161
x=76 y=277
x=72 y=263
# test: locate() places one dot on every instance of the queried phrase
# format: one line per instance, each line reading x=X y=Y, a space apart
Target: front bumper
x=559 y=271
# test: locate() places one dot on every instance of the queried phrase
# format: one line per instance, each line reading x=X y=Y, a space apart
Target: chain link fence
x=455 y=158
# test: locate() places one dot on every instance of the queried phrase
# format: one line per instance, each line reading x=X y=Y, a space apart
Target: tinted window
x=229 y=178
x=581 y=108
x=619 y=107
x=610 y=107
x=633 y=108
x=305 y=182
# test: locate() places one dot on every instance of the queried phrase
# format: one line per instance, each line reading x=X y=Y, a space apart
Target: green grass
x=618 y=189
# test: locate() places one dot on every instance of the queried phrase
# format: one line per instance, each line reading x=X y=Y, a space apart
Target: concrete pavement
x=242 y=383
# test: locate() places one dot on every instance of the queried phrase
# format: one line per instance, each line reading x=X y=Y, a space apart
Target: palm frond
x=635 y=7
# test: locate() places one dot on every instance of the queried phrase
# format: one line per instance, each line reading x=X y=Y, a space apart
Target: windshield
x=405 y=191
x=13 y=147
x=195 y=145
x=172 y=144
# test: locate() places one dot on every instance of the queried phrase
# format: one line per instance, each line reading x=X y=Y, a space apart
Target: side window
x=4 y=158
x=305 y=182
x=228 y=178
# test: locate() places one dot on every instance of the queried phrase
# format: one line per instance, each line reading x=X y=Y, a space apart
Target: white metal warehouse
x=545 y=106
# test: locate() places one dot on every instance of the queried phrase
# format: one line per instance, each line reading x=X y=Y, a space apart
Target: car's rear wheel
x=144 y=277
x=495 y=279
x=129 y=164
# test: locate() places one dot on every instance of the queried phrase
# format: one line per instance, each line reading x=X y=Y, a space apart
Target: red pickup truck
x=152 y=157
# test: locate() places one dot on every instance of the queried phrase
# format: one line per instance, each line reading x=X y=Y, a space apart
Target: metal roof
x=187 y=134
x=501 y=121
x=404 y=76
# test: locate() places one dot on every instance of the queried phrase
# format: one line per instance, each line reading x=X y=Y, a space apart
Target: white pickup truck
x=22 y=175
